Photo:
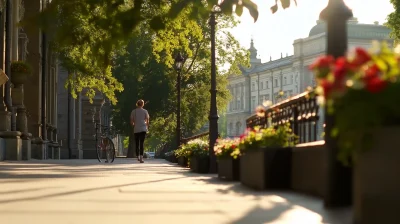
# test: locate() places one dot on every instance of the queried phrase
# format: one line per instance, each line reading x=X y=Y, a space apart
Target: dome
x=356 y=30
x=318 y=29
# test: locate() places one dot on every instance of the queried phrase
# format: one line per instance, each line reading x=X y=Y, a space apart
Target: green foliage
x=258 y=138
x=126 y=142
x=393 y=20
x=197 y=147
x=21 y=67
x=146 y=69
x=88 y=34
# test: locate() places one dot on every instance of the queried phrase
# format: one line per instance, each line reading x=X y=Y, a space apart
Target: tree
x=146 y=71
x=393 y=20
x=88 y=34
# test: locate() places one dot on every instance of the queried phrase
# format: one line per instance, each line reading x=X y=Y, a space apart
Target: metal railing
x=301 y=111
x=186 y=140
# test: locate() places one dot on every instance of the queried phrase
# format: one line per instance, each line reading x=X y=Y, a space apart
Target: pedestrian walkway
x=85 y=191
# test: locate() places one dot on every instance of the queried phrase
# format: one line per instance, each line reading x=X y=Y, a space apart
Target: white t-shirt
x=139 y=117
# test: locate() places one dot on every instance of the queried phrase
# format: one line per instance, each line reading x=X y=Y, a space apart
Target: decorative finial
x=270 y=58
x=281 y=55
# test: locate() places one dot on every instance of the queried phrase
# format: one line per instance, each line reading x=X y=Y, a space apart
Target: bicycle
x=104 y=145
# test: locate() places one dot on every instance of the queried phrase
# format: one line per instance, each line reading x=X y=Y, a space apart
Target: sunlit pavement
x=85 y=191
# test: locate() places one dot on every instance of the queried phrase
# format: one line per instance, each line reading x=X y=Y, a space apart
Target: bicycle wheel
x=110 y=150
x=100 y=149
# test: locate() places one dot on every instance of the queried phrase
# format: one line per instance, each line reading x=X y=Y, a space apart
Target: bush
x=20 y=67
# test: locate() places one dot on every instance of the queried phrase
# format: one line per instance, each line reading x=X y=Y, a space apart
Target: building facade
x=28 y=111
x=287 y=76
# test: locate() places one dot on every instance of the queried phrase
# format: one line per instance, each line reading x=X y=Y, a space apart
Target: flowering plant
x=361 y=91
x=227 y=148
x=196 y=147
x=269 y=137
x=20 y=67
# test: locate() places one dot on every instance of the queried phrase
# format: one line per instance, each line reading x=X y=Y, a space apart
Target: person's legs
x=141 y=146
x=137 y=138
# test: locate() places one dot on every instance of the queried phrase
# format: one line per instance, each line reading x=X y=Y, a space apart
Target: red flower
x=327 y=86
x=373 y=82
x=323 y=62
x=362 y=57
x=341 y=67
x=372 y=72
x=233 y=147
x=376 y=85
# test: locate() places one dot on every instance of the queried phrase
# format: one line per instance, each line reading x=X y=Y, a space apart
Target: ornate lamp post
x=338 y=187
x=213 y=117
x=179 y=60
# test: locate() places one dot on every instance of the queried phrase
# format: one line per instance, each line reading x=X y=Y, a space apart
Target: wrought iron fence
x=186 y=140
x=301 y=111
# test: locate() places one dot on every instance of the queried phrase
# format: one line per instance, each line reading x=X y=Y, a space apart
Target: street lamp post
x=179 y=60
x=339 y=179
x=213 y=117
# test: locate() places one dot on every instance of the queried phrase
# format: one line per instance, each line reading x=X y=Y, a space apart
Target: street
x=84 y=191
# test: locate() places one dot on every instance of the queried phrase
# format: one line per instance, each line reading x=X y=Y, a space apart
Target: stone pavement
x=85 y=191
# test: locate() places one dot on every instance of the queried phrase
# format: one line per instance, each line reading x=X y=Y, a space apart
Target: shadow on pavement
x=81 y=191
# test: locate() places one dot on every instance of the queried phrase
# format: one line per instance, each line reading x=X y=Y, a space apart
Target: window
x=285 y=80
x=253 y=86
x=262 y=87
x=267 y=84
x=276 y=82
x=253 y=101
x=238 y=104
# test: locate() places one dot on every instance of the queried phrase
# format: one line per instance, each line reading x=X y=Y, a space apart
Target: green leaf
x=274 y=8
x=252 y=7
x=157 y=23
x=226 y=6
x=285 y=3
x=239 y=10
x=157 y=2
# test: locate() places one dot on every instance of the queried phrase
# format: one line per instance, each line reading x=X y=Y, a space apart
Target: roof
x=356 y=30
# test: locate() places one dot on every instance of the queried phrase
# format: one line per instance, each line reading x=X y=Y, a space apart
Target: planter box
x=182 y=161
x=268 y=168
x=199 y=164
x=173 y=159
x=376 y=180
x=229 y=169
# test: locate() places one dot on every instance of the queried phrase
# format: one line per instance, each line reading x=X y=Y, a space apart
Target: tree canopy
x=146 y=69
x=393 y=20
x=87 y=34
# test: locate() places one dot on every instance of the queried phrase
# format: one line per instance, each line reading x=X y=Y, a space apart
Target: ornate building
x=28 y=111
x=279 y=79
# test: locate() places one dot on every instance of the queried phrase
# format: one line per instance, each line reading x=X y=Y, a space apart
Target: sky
x=274 y=34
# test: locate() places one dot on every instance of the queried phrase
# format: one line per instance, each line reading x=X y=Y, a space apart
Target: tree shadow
x=291 y=198
x=82 y=191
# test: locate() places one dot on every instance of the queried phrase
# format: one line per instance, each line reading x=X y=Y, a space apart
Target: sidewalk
x=84 y=191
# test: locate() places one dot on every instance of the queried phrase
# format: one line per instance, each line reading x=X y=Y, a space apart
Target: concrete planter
x=19 y=78
x=267 y=168
x=199 y=164
x=171 y=158
x=182 y=161
x=229 y=169
x=376 y=180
